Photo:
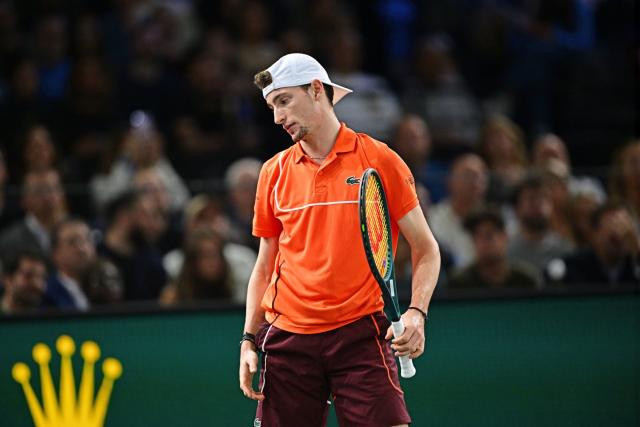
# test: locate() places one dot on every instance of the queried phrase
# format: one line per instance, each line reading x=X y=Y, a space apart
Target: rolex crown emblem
x=68 y=409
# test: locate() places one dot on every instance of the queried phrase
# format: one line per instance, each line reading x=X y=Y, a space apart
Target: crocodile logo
x=352 y=180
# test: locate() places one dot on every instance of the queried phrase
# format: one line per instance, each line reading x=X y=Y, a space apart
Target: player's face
x=295 y=110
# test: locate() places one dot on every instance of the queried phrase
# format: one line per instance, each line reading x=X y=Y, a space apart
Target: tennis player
x=314 y=309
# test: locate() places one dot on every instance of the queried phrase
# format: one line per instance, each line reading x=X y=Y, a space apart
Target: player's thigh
x=364 y=377
x=292 y=380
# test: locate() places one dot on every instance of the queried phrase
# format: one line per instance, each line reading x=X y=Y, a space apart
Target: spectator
x=204 y=273
x=467 y=189
x=550 y=152
x=38 y=150
x=502 y=148
x=492 y=268
x=205 y=211
x=43 y=201
x=625 y=177
x=168 y=236
x=439 y=95
x=613 y=256
x=142 y=147
x=241 y=180
x=581 y=209
x=24 y=281
x=372 y=108
x=72 y=252
x=412 y=141
x=131 y=226
x=54 y=63
x=534 y=241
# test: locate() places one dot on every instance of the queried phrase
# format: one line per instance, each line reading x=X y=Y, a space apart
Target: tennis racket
x=375 y=226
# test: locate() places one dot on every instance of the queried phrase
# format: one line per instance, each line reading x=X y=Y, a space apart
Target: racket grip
x=407 y=370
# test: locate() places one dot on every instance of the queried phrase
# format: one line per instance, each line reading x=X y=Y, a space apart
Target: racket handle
x=407 y=370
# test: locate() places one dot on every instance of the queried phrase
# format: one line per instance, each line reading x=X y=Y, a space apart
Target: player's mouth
x=289 y=128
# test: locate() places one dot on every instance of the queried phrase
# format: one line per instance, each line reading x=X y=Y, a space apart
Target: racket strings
x=377 y=226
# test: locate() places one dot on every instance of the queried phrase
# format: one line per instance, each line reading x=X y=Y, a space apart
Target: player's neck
x=318 y=144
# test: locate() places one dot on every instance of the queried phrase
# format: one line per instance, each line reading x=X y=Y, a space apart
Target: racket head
x=375 y=228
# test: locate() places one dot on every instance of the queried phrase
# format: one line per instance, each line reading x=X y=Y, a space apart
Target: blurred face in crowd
x=143 y=147
x=210 y=261
x=148 y=182
x=39 y=151
x=468 y=179
x=27 y=284
x=580 y=211
x=615 y=236
x=75 y=250
x=298 y=110
x=243 y=194
x=412 y=140
x=151 y=221
x=499 y=146
x=490 y=243
x=549 y=147
x=534 y=208
x=43 y=196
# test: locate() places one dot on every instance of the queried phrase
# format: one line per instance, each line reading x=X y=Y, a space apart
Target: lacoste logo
x=352 y=180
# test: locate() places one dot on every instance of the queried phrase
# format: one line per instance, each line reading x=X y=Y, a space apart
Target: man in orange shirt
x=313 y=307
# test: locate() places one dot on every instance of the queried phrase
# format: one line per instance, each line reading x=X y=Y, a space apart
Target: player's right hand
x=248 y=368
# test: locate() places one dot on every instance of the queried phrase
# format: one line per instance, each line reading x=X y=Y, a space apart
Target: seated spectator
x=534 y=241
x=549 y=151
x=492 y=268
x=412 y=141
x=24 y=281
x=502 y=148
x=613 y=256
x=38 y=152
x=467 y=188
x=81 y=278
x=205 y=273
x=581 y=209
x=142 y=148
x=205 y=211
x=372 y=108
x=148 y=183
x=131 y=226
x=241 y=180
x=43 y=201
x=556 y=178
x=439 y=95
x=625 y=177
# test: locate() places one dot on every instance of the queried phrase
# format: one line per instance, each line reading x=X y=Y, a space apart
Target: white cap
x=297 y=69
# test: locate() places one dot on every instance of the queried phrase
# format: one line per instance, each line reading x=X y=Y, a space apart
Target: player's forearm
x=254 y=313
x=426 y=268
x=258 y=283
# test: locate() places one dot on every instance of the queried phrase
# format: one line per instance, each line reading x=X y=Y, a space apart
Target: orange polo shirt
x=321 y=279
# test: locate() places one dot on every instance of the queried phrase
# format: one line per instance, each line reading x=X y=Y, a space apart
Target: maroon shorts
x=352 y=365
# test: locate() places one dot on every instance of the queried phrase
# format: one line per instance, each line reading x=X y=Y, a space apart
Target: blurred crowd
x=131 y=138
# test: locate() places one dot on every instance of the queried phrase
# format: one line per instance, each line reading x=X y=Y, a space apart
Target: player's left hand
x=411 y=343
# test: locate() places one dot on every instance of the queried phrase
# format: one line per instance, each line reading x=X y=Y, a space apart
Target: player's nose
x=278 y=116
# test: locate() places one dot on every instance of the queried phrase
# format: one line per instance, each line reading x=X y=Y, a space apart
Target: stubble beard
x=302 y=132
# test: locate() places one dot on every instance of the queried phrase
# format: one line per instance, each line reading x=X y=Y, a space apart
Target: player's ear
x=316 y=89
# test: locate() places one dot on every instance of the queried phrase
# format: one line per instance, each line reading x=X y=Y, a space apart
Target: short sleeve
x=265 y=223
x=399 y=184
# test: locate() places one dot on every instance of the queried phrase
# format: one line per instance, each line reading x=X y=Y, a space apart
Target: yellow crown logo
x=71 y=410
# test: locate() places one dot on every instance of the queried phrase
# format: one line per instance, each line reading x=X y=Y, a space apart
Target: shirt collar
x=345 y=142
